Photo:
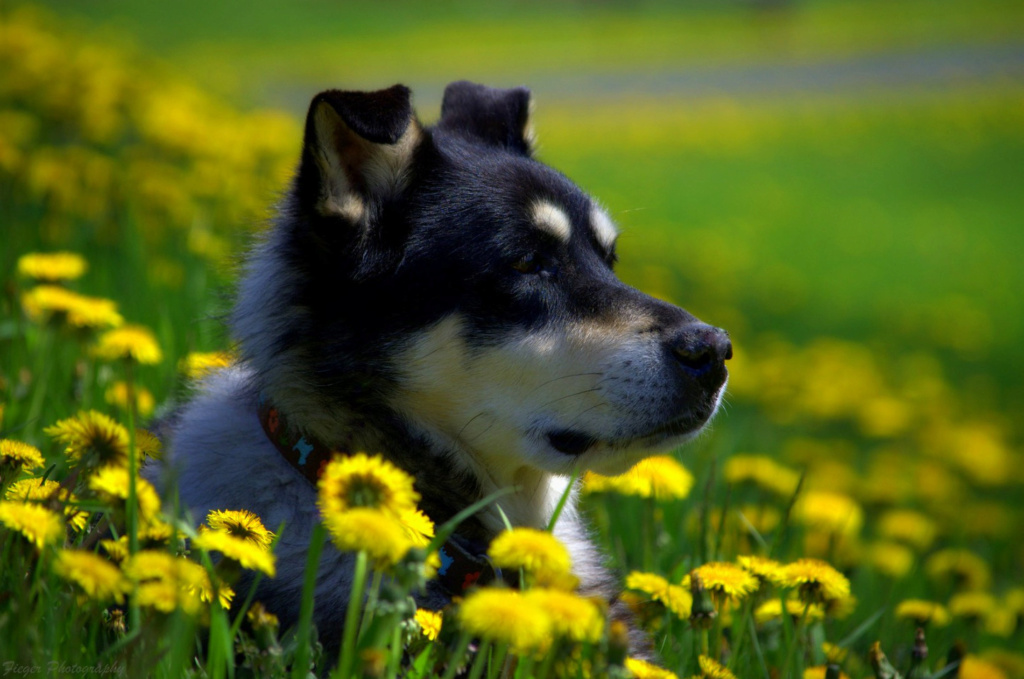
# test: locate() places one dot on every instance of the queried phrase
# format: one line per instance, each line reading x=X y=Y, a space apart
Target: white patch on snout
x=604 y=228
x=552 y=219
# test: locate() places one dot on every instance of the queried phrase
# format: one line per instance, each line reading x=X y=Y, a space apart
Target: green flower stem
x=496 y=667
x=795 y=641
x=132 y=508
x=455 y=659
x=355 y=604
x=44 y=361
x=300 y=668
x=480 y=661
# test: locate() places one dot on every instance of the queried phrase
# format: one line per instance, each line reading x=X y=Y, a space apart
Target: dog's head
x=446 y=277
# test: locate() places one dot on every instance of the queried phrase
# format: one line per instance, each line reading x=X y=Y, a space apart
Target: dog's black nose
x=699 y=347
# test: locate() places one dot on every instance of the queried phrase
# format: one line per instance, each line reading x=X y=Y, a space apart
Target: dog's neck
x=449 y=476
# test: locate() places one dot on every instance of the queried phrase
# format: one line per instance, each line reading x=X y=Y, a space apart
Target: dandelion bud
x=880 y=664
x=917 y=657
x=703 y=612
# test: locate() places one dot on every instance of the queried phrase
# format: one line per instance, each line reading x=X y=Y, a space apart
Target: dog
x=438 y=296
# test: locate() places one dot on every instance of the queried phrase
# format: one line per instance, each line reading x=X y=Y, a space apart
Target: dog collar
x=463 y=562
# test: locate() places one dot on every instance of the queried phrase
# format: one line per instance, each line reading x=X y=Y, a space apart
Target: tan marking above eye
x=552 y=219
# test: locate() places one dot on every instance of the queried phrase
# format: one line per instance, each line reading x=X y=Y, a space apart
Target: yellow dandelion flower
x=362 y=481
x=974 y=667
x=97 y=577
x=111 y=485
x=429 y=622
x=572 y=616
x=816 y=580
x=712 y=669
x=819 y=672
x=972 y=605
x=148 y=445
x=117 y=550
x=906 y=525
x=764 y=569
x=833 y=653
x=373 y=531
x=761 y=471
x=166 y=583
x=661 y=477
x=890 y=558
x=36 y=523
x=91 y=439
x=260 y=618
x=833 y=513
x=725 y=580
x=45 y=490
x=641 y=669
x=772 y=610
x=923 y=613
x=16 y=455
x=417 y=526
x=241 y=550
x=1012 y=664
x=241 y=523
x=117 y=395
x=133 y=342
x=52 y=266
x=197 y=365
x=45 y=302
x=966 y=569
x=506 y=616
x=675 y=598
x=537 y=552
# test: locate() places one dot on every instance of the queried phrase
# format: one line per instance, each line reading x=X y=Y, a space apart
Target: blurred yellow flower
x=197 y=365
x=52 y=266
x=260 y=618
x=909 y=526
x=240 y=523
x=974 y=606
x=831 y=512
x=890 y=558
x=110 y=484
x=725 y=580
x=761 y=471
x=37 y=524
x=641 y=669
x=816 y=581
x=429 y=622
x=117 y=394
x=17 y=456
x=819 y=672
x=923 y=612
x=772 y=610
x=974 y=667
x=712 y=669
x=674 y=597
x=506 y=616
x=166 y=582
x=245 y=552
x=44 y=302
x=134 y=342
x=964 y=568
x=764 y=569
x=539 y=553
x=572 y=616
x=363 y=481
x=97 y=577
x=373 y=531
x=661 y=477
x=46 y=490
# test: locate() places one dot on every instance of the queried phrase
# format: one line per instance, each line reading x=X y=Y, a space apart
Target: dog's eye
x=530 y=263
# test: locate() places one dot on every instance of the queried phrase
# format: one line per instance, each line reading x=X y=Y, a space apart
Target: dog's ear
x=493 y=116
x=357 y=150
